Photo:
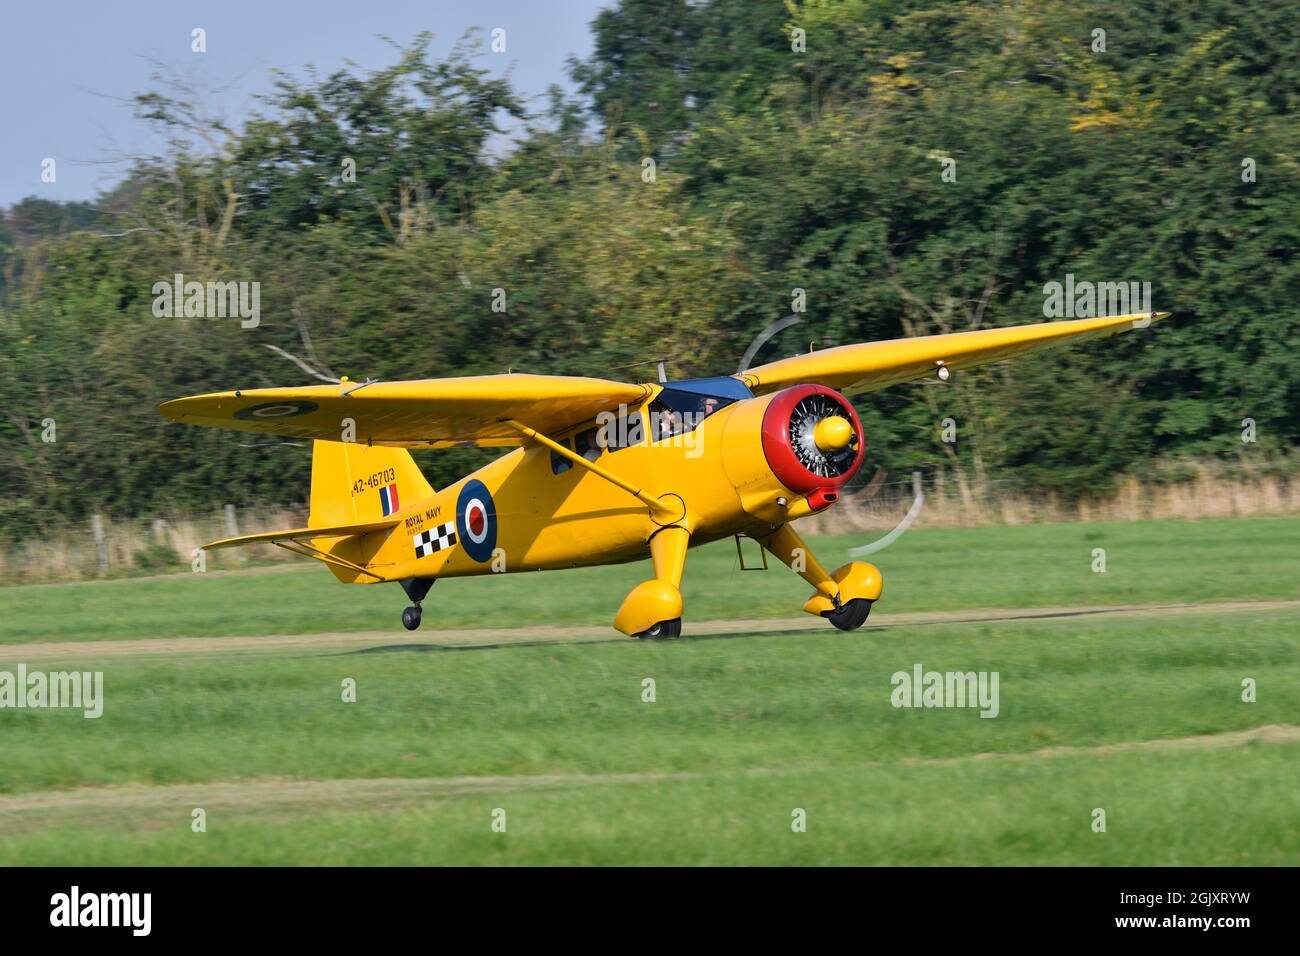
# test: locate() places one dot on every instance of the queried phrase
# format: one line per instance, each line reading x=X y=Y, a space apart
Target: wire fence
x=120 y=547
x=880 y=505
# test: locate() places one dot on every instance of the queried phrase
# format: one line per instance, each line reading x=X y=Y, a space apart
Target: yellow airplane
x=602 y=472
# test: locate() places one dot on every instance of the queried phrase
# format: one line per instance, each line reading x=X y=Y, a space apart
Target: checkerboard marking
x=427 y=542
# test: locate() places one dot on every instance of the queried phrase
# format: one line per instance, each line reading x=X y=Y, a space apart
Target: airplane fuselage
x=533 y=510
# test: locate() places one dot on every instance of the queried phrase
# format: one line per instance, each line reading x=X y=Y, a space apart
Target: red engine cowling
x=793 y=454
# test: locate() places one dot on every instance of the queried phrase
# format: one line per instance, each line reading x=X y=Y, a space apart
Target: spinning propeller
x=813 y=440
x=821 y=437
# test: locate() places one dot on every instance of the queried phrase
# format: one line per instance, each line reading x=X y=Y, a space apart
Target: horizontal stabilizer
x=294 y=534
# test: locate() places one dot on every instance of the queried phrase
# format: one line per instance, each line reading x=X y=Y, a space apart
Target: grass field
x=1139 y=714
x=926 y=570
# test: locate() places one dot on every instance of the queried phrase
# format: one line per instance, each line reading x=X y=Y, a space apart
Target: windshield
x=681 y=406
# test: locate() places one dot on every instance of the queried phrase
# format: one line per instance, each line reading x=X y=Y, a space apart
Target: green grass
x=818 y=699
x=758 y=725
x=1208 y=808
x=745 y=727
x=937 y=569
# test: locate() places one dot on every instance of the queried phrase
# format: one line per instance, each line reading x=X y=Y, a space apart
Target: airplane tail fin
x=356 y=490
x=352 y=483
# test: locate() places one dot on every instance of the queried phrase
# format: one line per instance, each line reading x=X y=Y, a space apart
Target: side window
x=584 y=443
x=626 y=431
x=560 y=464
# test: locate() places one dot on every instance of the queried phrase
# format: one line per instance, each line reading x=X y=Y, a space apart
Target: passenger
x=667 y=423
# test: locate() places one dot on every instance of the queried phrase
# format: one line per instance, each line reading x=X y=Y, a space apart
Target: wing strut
x=656 y=506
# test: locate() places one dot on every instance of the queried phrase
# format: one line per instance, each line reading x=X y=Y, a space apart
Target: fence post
x=232 y=530
x=101 y=546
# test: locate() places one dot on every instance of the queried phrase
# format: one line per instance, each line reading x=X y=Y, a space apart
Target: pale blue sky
x=69 y=69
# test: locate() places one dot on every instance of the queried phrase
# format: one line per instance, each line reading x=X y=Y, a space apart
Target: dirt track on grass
x=469 y=638
x=136 y=807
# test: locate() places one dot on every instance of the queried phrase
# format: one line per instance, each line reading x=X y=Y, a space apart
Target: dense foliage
x=775 y=169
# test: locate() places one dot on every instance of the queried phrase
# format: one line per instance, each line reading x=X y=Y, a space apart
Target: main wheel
x=852 y=615
x=664 y=629
x=411 y=618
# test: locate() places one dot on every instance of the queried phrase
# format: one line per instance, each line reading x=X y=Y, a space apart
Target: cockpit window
x=675 y=411
x=678 y=409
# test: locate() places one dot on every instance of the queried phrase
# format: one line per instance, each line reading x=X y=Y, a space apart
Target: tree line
x=877 y=168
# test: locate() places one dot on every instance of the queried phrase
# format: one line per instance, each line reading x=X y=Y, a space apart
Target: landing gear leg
x=786 y=545
x=416 y=589
x=843 y=598
x=654 y=608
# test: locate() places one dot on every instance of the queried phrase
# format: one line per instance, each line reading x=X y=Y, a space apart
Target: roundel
x=272 y=410
x=476 y=520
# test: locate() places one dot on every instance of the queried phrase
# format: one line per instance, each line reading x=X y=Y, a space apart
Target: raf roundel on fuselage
x=476 y=520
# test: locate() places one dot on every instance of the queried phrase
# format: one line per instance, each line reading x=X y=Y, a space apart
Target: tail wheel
x=411 y=618
x=851 y=616
x=664 y=629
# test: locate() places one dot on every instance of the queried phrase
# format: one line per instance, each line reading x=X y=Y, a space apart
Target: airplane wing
x=873 y=365
x=432 y=413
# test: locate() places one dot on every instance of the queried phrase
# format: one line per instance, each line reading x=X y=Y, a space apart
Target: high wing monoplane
x=601 y=472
